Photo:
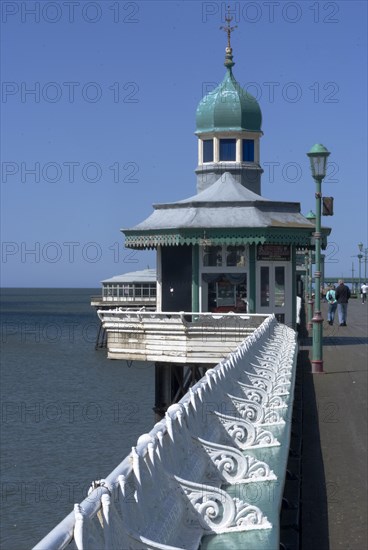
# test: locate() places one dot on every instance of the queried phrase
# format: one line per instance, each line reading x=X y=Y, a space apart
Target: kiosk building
x=226 y=248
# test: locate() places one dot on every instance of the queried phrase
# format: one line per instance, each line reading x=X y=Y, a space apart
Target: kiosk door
x=273 y=290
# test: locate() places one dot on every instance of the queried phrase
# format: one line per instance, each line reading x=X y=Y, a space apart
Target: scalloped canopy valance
x=152 y=239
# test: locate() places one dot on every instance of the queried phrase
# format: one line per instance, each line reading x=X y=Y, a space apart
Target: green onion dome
x=229 y=107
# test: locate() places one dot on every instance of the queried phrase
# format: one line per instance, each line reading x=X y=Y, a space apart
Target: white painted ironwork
x=180 y=337
x=182 y=482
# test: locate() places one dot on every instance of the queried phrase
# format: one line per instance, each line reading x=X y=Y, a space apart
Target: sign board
x=273 y=252
x=327 y=203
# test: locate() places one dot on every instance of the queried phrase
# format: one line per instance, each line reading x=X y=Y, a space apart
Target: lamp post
x=308 y=288
x=306 y=267
x=352 y=278
x=365 y=258
x=318 y=160
x=310 y=285
x=360 y=256
x=312 y=218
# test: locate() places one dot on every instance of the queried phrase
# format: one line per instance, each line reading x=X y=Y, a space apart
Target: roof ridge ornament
x=229 y=63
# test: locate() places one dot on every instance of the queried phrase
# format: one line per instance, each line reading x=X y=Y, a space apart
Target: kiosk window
x=212 y=256
x=235 y=256
x=279 y=286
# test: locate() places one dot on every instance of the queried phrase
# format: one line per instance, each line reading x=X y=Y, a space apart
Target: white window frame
x=286 y=308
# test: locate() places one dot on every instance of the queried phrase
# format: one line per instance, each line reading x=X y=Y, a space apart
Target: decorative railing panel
x=185 y=482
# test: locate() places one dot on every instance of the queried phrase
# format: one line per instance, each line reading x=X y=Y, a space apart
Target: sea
x=69 y=415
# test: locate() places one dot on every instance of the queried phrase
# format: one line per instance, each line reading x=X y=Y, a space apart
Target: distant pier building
x=133 y=289
x=129 y=291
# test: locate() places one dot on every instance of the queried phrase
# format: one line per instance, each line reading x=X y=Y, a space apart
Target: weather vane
x=228 y=29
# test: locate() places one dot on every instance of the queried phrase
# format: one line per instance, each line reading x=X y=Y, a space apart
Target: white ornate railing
x=187 y=482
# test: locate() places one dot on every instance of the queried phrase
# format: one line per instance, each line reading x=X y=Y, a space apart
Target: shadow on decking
x=314 y=512
x=335 y=341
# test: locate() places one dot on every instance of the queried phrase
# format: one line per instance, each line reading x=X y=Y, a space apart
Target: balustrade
x=185 y=482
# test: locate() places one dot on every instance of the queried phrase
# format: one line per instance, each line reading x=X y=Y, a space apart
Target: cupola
x=228 y=126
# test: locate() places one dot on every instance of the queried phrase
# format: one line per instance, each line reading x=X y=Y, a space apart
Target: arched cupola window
x=227 y=149
x=208 y=150
x=248 y=150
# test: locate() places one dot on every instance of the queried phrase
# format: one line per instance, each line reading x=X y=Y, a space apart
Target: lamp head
x=318 y=160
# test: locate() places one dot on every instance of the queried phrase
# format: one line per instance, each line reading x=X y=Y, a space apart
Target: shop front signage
x=273 y=252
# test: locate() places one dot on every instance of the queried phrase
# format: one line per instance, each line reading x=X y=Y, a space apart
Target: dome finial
x=229 y=51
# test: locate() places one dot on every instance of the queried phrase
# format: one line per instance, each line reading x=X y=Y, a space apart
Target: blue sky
x=109 y=127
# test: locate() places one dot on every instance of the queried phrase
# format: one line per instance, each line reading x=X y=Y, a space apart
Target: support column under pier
x=172 y=381
x=168 y=382
x=101 y=339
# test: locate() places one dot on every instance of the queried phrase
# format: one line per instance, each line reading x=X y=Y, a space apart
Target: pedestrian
x=332 y=305
x=342 y=296
x=363 y=291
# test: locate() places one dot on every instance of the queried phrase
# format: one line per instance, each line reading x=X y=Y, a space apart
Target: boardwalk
x=334 y=464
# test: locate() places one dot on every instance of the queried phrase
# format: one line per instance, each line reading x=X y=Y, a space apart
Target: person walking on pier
x=342 y=295
x=363 y=290
x=332 y=304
